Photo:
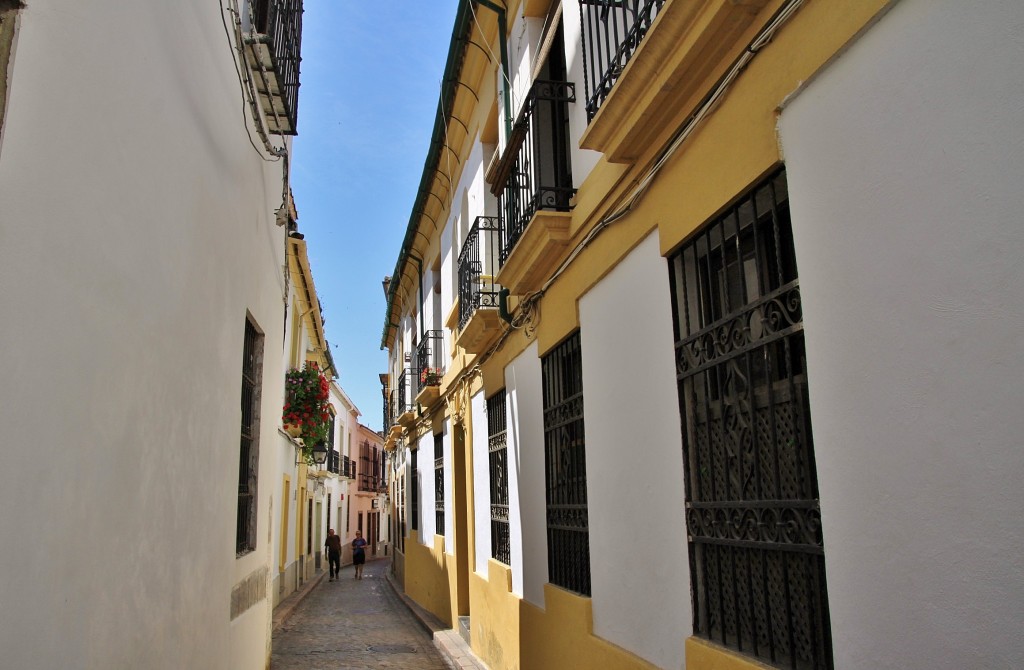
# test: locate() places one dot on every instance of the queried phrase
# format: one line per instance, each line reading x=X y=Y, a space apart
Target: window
x=566 y=468
x=752 y=514
x=414 y=491
x=439 y=484
x=498 y=465
x=248 y=453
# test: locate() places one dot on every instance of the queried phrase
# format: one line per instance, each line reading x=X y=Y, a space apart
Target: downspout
x=419 y=268
x=503 y=45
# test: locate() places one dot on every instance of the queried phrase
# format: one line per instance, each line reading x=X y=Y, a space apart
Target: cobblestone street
x=354 y=624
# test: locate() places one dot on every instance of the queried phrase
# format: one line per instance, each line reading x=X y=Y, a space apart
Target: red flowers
x=307 y=394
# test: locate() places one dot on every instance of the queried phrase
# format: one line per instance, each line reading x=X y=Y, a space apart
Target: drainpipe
x=419 y=268
x=502 y=30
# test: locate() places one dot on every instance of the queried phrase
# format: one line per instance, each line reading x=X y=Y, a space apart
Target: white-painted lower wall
x=526 y=490
x=905 y=159
x=481 y=483
x=640 y=577
x=136 y=232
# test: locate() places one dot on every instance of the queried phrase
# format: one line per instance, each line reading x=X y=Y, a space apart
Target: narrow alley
x=358 y=625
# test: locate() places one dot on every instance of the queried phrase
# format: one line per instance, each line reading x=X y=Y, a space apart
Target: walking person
x=359 y=553
x=333 y=546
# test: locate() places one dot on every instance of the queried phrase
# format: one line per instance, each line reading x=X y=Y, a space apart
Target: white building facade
x=144 y=289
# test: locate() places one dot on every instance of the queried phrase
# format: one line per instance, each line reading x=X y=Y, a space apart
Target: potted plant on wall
x=430 y=377
x=306 y=414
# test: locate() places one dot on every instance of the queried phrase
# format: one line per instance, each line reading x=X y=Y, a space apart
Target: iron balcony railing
x=429 y=359
x=272 y=53
x=478 y=263
x=612 y=32
x=535 y=170
x=333 y=462
x=403 y=396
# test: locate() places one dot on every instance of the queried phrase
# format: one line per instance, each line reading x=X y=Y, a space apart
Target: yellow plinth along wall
x=495 y=618
x=427 y=578
x=561 y=636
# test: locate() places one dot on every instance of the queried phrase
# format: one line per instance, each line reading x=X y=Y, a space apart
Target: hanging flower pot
x=306 y=413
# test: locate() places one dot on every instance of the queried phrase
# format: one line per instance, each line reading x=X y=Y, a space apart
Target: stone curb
x=448 y=641
x=285 y=608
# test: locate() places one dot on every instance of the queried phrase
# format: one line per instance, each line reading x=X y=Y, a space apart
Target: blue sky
x=371 y=77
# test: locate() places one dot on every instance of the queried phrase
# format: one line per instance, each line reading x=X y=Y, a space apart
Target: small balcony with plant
x=429 y=367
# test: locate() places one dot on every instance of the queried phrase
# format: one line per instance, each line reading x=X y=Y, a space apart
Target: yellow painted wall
x=494 y=633
x=704 y=655
x=427 y=576
x=561 y=636
x=733 y=148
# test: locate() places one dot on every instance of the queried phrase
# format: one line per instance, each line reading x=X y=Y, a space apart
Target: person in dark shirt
x=359 y=553
x=333 y=546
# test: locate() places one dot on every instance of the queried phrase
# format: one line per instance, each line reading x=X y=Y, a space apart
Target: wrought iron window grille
x=535 y=170
x=478 y=263
x=752 y=513
x=566 y=467
x=248 y=456
x=612 y=32
x=414 y=490
x=273 y=55
x=497 y=448
x=439 y=484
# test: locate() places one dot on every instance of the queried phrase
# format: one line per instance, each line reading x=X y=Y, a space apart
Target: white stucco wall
x=905 y=160
x=481 y=484
x=640 y=577
x=136 y=231
x=527 y=508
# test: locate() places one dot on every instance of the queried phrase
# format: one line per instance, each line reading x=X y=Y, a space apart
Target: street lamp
x=320 y=453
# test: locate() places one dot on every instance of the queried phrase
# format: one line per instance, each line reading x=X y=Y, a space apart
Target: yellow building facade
x=599 y=397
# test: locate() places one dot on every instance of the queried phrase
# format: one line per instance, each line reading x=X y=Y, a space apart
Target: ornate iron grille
x=478 y=263
x=274 y=58
x=248 y=452
x=403 y=401
x=439 y=484
x=536 y=161
x=497 y=448
x=429 y=357
x=566 y=468
x=612 y=32
x=752 y=514
x=369 y=468
x=414 y=491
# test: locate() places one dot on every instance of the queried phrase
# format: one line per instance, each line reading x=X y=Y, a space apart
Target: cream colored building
x=723 y=302
x=143 y=203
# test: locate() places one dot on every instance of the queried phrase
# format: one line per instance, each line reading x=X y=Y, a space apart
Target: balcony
x=534 y=172
x=534 y=184
x=333 y=462
x=612 y=32
x=272 y=55
x=429 y=367
x=649 y=63
x=478 y=292
x=403 y=399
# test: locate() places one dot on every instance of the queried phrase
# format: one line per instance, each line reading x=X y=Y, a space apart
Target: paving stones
x=355 y=625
